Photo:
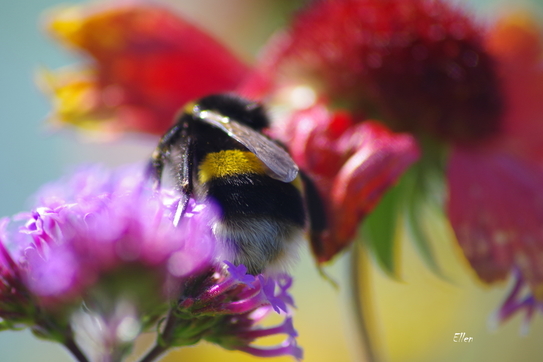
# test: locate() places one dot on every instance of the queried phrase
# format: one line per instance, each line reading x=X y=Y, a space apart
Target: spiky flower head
x=419 y=65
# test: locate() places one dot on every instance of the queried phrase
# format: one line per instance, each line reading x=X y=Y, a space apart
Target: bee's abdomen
x=237 y=181
x=262 y=219
x=257 y=195
x=259 y=243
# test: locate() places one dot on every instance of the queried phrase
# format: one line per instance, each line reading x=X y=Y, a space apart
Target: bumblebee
x=217 y=152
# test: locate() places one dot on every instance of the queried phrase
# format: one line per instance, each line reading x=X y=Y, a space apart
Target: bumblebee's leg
x=175 y=148
x=162 y=152
x=184 y=175
x=316 y=209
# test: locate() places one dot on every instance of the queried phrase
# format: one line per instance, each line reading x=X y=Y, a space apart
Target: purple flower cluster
x=100 y=224
x=105 y=245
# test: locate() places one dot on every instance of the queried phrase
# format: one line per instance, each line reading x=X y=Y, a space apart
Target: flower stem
x=164 y=340
x=156 y=351
x=70 y=344
x=360 y=305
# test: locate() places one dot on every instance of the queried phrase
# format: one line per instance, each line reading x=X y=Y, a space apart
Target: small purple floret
x=244 y=300
x=519 y=299
x=268 y=286
x=239 y=273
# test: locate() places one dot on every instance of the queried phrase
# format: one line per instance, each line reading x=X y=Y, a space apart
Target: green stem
x=74 y=349
x=360 y=306
x=164 y=341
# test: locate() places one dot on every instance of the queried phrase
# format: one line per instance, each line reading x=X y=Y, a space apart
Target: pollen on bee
x=189 y=107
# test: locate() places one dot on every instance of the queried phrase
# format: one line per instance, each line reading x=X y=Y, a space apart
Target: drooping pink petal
x=495 y=206
x=495 y=197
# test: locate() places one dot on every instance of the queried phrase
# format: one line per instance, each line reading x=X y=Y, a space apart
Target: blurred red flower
x=144 y=63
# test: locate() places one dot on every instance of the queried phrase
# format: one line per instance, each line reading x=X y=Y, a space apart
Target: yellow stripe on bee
x=229 y=163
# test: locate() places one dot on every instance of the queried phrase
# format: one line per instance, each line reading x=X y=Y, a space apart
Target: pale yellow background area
x=414 y=319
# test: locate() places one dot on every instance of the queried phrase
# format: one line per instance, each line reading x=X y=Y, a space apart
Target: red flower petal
x=380 y=159
x=149 y=62
x=352 y=165
x=496 y=209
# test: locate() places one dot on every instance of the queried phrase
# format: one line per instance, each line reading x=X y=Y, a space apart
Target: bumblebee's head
x=242 y=110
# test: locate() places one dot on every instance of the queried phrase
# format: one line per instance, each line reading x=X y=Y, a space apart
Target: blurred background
x=413 y=318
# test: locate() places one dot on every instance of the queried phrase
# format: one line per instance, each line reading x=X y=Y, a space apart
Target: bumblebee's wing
x=280 y=165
